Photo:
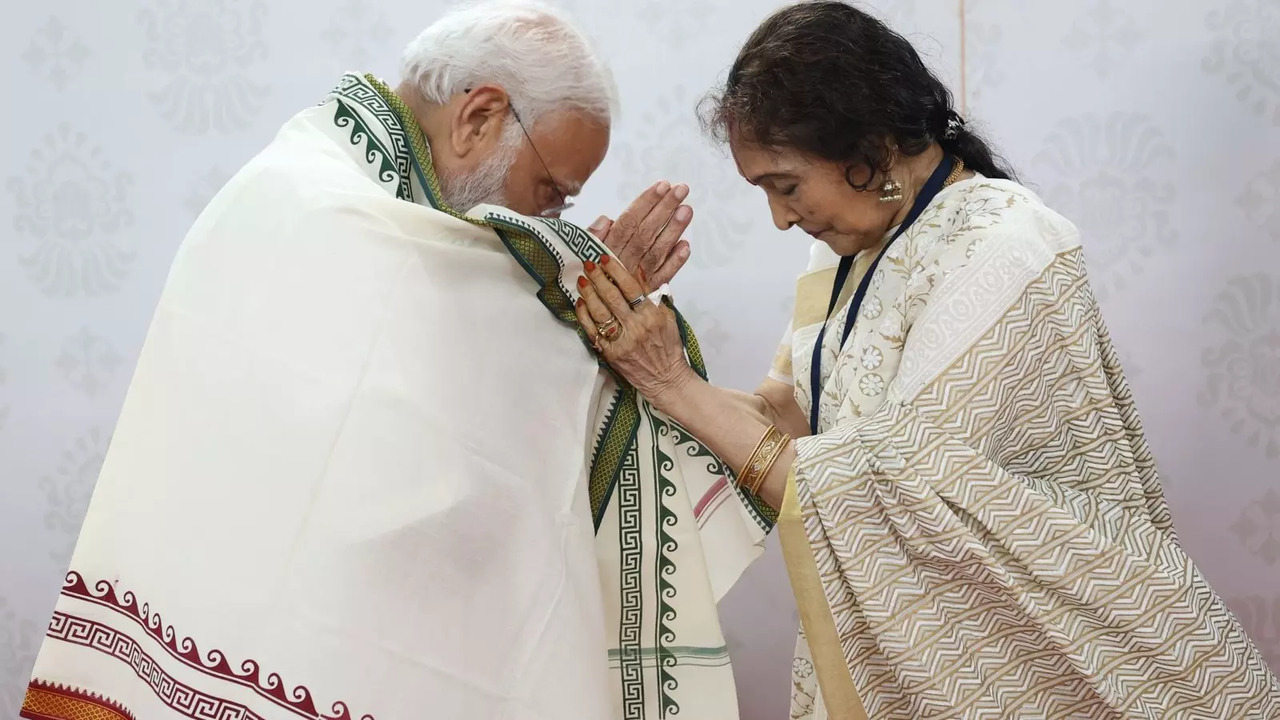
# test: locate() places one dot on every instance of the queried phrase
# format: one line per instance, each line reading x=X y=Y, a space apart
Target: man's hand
x=648 y=233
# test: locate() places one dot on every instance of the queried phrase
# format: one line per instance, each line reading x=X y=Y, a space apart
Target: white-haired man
x=367 y=468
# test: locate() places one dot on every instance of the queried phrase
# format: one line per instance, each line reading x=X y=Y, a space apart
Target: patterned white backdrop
x=1154 y=124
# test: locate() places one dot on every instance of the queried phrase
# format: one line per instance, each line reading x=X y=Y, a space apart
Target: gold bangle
x=748 y=476
x=746 y=469
x=774 y=453
x=762 y=459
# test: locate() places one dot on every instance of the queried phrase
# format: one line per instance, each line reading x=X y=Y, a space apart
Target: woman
x=971 y=517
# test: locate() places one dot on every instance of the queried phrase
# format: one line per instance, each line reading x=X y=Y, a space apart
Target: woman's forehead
x=755 y=160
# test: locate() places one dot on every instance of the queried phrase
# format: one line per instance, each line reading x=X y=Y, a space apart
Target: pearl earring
x=890 y=191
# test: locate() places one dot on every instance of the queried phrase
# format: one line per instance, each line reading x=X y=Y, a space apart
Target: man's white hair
x=533 y=51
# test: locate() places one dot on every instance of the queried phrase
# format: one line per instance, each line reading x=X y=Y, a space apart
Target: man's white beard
x=484 y=185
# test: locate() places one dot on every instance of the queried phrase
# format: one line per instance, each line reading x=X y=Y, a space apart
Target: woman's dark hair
x=829 y=80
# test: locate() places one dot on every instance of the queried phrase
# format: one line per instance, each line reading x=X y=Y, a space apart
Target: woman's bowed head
x=839 y=121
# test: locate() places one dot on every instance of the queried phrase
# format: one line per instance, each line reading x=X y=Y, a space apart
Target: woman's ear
x=877 y=176
x=890 y=156
x=477 y=125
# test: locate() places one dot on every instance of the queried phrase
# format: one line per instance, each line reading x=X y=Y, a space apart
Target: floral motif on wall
x=1242 y=366
x=208 y=56
x=72 y=209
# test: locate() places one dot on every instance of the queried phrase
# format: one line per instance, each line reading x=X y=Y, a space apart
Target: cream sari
x=978 y=530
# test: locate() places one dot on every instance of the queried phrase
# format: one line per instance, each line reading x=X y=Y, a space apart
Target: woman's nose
x=783 y=216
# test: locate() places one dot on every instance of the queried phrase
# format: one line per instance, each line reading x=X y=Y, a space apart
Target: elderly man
x=367 y=468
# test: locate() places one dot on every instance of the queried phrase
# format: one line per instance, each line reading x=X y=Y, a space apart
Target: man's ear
x=477 y=125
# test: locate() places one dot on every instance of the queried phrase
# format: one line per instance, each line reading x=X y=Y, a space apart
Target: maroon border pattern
x=88 y=633
x=44 y=699
x=179 y=696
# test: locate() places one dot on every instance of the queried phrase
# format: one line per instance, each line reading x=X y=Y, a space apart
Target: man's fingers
x=643 y=205
x=666 y=241
x=601 y=227
x=661 y=215
x=629 y=245
x=679 y=255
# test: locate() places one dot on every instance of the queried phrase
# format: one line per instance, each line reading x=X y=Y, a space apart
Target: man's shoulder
x=296 y=172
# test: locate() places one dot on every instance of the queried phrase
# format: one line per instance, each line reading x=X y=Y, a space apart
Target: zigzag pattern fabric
x=992 y=539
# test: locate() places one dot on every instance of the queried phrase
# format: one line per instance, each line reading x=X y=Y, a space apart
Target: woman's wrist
x=672 y=394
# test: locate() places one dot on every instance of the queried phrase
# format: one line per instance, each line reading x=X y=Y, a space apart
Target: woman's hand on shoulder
x=639 y=339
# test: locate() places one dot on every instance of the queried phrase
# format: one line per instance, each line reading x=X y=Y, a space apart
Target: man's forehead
x=573 y=146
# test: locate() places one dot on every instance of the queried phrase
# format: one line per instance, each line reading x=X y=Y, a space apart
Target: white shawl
x=360 y=467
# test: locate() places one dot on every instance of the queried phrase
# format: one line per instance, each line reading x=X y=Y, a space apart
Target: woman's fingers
x=597 y=311
x=606 y=289
x=630 y=287
x=587 y=322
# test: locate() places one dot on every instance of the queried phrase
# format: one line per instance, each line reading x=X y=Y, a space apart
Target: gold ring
x=609 y=329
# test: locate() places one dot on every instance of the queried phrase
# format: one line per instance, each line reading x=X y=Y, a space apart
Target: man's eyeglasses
x=565 y=203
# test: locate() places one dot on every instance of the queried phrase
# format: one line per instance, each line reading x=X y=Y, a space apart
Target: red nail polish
x=582 y=282
x=589 y=266
x=604 y=260
x=580 y=302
